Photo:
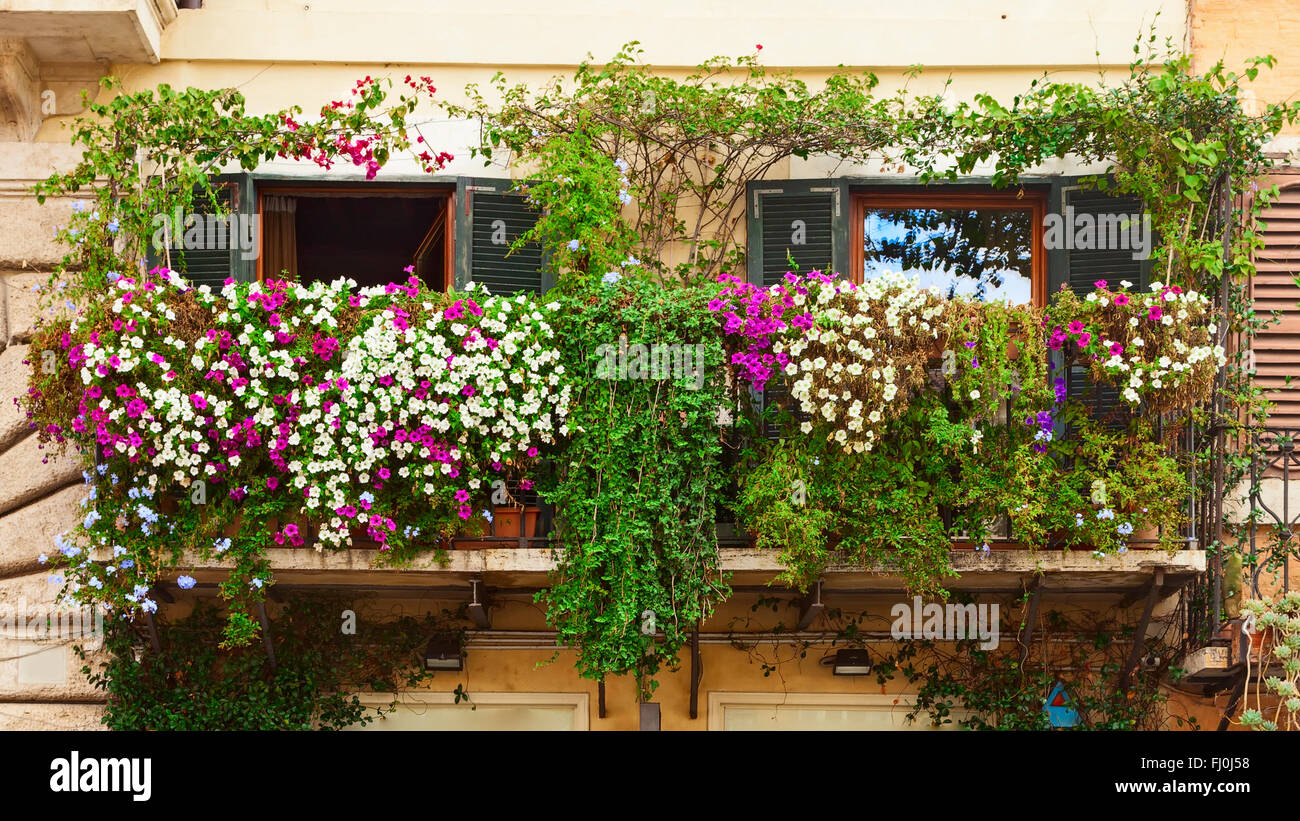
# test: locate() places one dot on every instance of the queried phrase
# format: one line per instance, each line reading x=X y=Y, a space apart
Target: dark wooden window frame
x=1033 y=200
x=276 y=188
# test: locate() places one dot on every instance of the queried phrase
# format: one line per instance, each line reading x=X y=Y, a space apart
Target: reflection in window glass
x=983 y=253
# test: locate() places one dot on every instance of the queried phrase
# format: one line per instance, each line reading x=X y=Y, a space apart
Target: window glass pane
x=984 y=253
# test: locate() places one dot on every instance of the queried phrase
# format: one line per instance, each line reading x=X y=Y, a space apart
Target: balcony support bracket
x=810 y=608
x=1140 y=632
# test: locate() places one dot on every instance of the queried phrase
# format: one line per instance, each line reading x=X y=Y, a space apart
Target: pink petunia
x=1155 y=313
x=1116 y=349
x=1121 y=299
x=1084 y=339
x=1101 y=283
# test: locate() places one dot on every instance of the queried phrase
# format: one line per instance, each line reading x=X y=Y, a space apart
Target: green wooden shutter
x=803 y=220
x=211 y=264
x=806 y=220
x=1080 y=268
x=488 y=221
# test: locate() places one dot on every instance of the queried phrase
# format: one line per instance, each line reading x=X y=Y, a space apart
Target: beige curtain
x=279 y=238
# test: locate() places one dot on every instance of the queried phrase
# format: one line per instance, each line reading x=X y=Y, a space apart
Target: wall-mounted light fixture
x=854 y=661
x=443 y=653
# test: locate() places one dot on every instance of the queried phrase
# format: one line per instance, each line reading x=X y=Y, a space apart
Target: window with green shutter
x=796 y=224
x=1099 y=239
x=489 y=220
x=207 y=248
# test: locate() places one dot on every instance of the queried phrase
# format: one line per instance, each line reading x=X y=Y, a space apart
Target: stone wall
x=41 y=684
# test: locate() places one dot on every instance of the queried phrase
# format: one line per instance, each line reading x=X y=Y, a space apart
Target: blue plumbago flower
x=56 y=580
x=1078 y=520
x=79 y=206
x=118 y=550
x=185 y=582
x=113 y=276
x=42 y=558
x=145 y=513
x=610 y=278
x=255 y=583
x=222 y=545
x=1122 y=549
x=91 y=517
x=368 y=497
x=93 y=493
x=127 y=564
x=140 y=590
x=1098 y=555
x=102 y=468
x=68 y=304
x=36 y=288
x=621 y=165
x=144 y=528
x=1124 y=529
x=487 y=514
x=574 y=245
x=113 y=225
x=1106 y=513
x=114 y=478
x=86 y=476
x=95 y=583
x=149 y=606
x=624 y=197
x=630 y=261
x=110 y=570
x=134 y=493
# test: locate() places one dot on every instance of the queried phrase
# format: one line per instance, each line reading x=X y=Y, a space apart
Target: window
x=484 y=711
x=369 y=233
x=454 y=232
x=817 y=711
x=981 y=244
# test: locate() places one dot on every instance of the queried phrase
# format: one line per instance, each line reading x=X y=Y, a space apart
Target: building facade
x=279 y=54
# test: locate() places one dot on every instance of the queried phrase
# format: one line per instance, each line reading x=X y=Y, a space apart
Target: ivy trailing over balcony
x=639 y=482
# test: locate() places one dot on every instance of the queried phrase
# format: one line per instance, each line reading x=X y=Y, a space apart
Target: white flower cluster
x=856 y=366
x=1162 y=346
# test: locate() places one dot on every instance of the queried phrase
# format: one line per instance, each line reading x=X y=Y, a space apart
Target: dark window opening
x=371 y=239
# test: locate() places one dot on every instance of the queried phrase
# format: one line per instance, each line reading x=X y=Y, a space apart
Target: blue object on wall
x=1060 y=707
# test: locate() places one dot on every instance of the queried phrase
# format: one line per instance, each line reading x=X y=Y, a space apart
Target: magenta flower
x=1155 y=313
x=1116 y=349
x=1076 y=328
x=462 y=496
x=1121 y=299
x=1084 y=339
x=1101 y=283
x=272 y=483
x=199 y=402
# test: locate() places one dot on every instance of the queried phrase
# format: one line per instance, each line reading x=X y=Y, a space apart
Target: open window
x=371 y=234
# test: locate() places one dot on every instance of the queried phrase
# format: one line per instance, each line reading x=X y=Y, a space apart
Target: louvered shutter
x=1081 y=268
x=803 y=220
x=800 y=220
x=488 y=221
x=220 y=255
x=1277 y=264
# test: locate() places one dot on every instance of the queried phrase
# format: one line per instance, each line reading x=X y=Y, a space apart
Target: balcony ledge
x=504 y=568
